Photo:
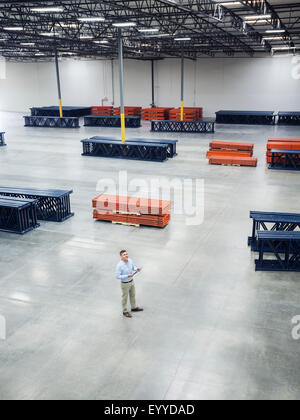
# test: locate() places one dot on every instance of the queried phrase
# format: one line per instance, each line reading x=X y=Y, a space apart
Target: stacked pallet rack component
x=276 y=236
x=102 y=110
x=111 y=121
x=199 y=111
x=231 y=154
x=232 y=146
x=2 y=140
x=170 y=143
x=233 y=161
x=216 y=153
x=189 y=114
x=271 y=221
x=52 y=122
x=285 y=159
x=157 y=114
x=54 y=111
x=130 y=111
x=282 y=249
x=52 y=205
x=246 y=117
x=288 y=118
x=132 y=210
x=18 y=215
x=283 y=154
x=206 y=125
x=132 y=150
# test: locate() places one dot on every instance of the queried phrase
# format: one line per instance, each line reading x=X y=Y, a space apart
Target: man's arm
x=135 y=268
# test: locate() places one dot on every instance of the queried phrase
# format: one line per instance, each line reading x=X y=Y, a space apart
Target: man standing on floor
x=125 y=272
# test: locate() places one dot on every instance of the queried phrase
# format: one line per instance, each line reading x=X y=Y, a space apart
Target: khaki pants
x=128 y=289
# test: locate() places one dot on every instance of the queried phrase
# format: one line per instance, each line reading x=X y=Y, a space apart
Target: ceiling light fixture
x=283 y=48
x=275 y=31
x=258 y=17
x=148 y=30
x=48 y=34
x=183 y=39
x=92 y=19
x=124 y=24
x=47 y=9
x=13 y=28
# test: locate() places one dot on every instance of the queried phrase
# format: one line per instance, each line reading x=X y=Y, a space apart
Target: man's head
x=124 y=255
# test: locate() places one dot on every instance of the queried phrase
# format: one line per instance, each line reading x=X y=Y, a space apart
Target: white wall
x=259 y=83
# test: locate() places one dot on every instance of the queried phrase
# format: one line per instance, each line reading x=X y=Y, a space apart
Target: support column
x=121 y=74
x=58 y=85
x=153 y=88
x=182 y=81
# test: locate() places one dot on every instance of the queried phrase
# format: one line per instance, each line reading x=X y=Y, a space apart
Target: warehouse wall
x=19 y=87
x=261 y=83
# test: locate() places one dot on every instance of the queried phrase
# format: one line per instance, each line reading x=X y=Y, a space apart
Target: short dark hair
x=123 y=252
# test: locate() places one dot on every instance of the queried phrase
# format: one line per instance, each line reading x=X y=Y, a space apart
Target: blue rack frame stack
x=282 y=249
x=53 y=111
x=18 y=215
x=132 y=150
x=52 y=205
x=277 y=235
x=51 y=122
x=271 y=221
x=288 y=118
x=246 y=117
x=170 y=143
x=168 y=126
x=111 y=121
x=2 y=140
x=284 y=159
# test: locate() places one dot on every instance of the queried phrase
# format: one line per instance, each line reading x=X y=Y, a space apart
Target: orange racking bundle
x=130 y=111
x=232 y=146
x=102 y=110
x=197 y=109
x=189 y=114
x=231 y=153
x=132 y=210
x=281 y=143
x=233 y=161
x=156 y=114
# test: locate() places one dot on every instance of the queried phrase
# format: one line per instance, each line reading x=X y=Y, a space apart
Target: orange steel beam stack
x=232 y=146
x=233 y=161
x=215 y=153
x=130 y=111
x=281 y=143
x=132 y=210
x=189 y=114
x=197 y=109
x=103 y=110
x=231 y=153
x=154 y=114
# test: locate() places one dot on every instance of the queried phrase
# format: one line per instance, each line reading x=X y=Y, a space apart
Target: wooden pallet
x=125 y=224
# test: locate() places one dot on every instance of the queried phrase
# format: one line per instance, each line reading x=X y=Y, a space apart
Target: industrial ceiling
x=152 y=29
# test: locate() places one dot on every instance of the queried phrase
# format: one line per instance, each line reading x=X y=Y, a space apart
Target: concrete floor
x=212 y=327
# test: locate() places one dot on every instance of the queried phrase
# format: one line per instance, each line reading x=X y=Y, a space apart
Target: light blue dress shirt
x=124 y=269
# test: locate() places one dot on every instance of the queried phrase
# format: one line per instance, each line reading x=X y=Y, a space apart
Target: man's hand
x=130 y=276
x=139 y=270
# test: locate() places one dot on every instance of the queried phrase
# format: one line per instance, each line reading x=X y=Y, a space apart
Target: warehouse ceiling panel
x=152 y=29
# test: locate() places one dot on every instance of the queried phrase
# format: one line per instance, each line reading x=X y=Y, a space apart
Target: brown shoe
x=137 y=310
x=127 y=314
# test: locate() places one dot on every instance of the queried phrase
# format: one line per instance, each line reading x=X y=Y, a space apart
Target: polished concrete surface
x=212 y=327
